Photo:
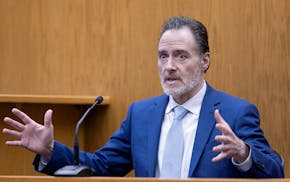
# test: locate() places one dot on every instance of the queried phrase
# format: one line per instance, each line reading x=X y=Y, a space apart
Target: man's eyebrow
x=181 y=51
x=161 y=52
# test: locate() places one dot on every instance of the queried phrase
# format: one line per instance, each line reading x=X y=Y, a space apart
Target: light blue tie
x=173 y=153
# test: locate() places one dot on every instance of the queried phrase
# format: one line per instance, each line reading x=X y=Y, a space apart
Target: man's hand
x=32 y=136
x=231 y=145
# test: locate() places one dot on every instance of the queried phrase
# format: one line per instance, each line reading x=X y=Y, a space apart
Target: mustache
x=170 y=77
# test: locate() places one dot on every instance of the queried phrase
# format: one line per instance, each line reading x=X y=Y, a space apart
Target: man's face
x=179 y=64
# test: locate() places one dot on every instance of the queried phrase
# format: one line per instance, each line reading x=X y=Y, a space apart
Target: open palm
x=31 y=135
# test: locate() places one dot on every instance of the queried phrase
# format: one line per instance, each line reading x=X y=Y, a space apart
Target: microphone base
x=74 y=170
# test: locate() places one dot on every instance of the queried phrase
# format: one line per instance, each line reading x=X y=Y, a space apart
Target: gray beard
x=177 y=92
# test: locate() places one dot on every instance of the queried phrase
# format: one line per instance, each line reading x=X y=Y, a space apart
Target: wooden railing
x=51 y=99
x=125 y=179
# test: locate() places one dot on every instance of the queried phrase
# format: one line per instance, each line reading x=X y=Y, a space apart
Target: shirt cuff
x=245 y=165
x=42 y=163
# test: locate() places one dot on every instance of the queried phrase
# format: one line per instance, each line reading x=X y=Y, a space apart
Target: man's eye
x=162 y=56
x=182 y=57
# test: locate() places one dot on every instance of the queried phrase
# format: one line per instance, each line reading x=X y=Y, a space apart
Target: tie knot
x=179 y=112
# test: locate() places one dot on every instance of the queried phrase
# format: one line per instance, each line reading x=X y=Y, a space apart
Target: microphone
x=76 y=169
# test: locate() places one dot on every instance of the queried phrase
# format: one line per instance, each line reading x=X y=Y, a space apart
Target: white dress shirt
x=189 y=124
x=190 y=121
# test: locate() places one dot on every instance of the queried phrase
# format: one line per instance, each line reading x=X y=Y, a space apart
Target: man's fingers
x=12 y=132
x=21 y=115
x=223 y=139
x=13 y=123
x=218 y=117
x=221 y=148
x=48 y=118
x=13 y=143
x=219 y=157
x=223 y=128
x=221 y=125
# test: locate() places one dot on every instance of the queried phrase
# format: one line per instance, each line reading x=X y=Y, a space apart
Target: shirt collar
x=193 y=104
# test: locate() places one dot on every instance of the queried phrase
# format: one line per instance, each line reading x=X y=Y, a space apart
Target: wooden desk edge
x=51 y=99
x=126 y=179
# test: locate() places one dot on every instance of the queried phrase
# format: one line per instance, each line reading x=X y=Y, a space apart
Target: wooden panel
x=108 y=47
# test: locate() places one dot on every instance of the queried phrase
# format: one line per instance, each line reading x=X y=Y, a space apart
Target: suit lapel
x=156 y=117
x=206 y=123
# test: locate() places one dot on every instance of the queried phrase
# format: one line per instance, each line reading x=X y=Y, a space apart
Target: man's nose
x=171 y=64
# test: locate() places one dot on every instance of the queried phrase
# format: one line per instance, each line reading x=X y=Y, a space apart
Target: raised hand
x=31 y=135
x=231 y=145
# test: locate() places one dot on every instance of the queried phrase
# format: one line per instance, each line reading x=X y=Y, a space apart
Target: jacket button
x=260 y=165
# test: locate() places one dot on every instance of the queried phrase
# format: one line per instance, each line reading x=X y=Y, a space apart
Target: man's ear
x=205 y=62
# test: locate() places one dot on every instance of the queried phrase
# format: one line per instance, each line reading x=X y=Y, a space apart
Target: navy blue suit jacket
x=135 y=144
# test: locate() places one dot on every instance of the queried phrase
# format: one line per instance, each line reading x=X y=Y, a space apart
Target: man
x=215 y=134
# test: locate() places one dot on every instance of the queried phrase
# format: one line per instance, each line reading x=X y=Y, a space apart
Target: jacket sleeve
x=266 y=163
x=113 y=159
